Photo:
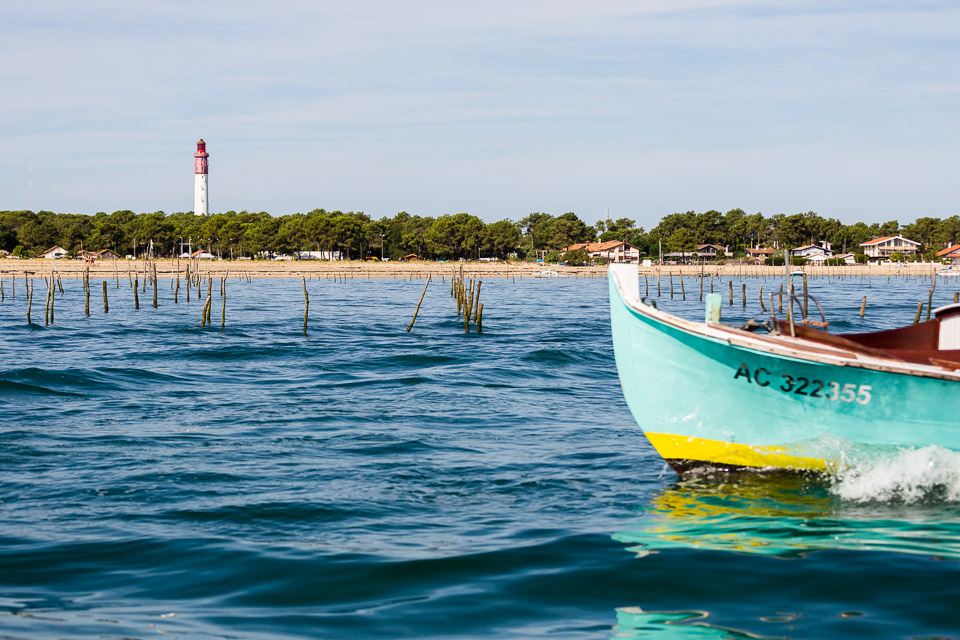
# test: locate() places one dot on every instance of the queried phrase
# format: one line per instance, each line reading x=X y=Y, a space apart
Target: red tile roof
x=949 y=250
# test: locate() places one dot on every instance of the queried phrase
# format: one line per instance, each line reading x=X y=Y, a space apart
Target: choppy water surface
x=360 y=481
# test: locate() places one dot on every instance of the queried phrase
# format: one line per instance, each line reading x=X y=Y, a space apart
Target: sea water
x=357 y=480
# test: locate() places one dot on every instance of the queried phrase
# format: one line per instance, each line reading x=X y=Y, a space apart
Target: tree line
x=461 y=235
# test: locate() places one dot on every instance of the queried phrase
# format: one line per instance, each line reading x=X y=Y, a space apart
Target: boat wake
x=913 y=476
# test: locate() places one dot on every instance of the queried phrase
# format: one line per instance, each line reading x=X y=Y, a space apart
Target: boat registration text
x=802 y=386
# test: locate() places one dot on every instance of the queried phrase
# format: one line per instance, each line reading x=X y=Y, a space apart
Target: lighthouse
x=201 y=169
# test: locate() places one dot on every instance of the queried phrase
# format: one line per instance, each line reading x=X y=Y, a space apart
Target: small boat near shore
x=549 y=273
x=709 y=395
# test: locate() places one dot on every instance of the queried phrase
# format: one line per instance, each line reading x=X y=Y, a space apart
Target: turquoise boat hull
x=713 y=396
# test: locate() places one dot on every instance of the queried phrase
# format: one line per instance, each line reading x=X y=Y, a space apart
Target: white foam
x=909 y=476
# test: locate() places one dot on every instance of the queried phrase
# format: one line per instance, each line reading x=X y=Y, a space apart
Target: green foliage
x=552 y=256
x=835 y=262
x=861 y=258
x=451 y=236
x=576 y=258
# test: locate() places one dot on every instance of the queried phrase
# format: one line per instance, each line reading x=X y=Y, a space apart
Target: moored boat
x=797 y=398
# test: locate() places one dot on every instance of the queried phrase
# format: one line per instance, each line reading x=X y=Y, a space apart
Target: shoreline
x=167 y=268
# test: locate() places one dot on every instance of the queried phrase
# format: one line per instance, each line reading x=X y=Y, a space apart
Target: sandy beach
x=357 y=269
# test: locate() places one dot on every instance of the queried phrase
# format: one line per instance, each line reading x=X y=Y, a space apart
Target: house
x=848 y=258
x=710 y=251
x=107 y=254
x=200 y=254
x=411 y=256
x=760 y=254
x=611 y=251
x=811 y=251
x=883 y=248
x=85 y=255
x=54 y=253
x=951 y=253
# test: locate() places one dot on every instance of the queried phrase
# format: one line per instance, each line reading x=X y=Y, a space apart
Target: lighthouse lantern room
x=201 y=168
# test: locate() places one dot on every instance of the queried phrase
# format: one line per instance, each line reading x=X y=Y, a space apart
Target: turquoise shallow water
x=360 y=481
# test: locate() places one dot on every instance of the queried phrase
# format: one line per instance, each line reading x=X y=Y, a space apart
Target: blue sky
x=498 y=108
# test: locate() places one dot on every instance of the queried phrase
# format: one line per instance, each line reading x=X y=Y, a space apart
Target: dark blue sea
x=358 y=481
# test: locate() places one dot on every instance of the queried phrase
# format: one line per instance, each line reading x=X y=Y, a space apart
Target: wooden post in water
x=417 y=310
x=53 y=297
x=683 y=290
x=86 y=291
x=762 y=306
x=223 y=299
x=480 y=319
x=863 y=306
x=916 y=318
x=106 y=307
x=469 y=310
x=658 y=283
x=29 y=286
x=930 y=301
x=46 y=308
x=956 y=297
x=154 y=286
x=209 y=295
x=476 y=304
x=306 y=304
x=743 y=294
x=730 y=282
x=804 y=295
x=136 y=292
x=780 y=303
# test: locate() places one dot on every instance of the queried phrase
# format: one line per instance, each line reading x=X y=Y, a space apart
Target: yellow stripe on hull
x=718 y=452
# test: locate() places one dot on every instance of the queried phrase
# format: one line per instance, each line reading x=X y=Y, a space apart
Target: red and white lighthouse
x=201 y=169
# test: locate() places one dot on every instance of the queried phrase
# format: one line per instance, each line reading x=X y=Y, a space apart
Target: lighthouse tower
x=201 y=169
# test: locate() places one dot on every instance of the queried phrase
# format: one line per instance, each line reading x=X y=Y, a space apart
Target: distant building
x=760 y=254
x=200 y=254
x=883 y=248
x=811 y=251
x=107 y=254
x=710 y=251
x=848 y=258
x=951 y=253
x=54 y=253
x=611 y=251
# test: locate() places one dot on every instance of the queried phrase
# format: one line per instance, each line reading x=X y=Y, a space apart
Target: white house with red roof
x=611 y=251
x=883 y=248
x=54 y=253
x=951 y=253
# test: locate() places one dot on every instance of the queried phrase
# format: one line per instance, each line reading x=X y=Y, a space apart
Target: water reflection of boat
x=633 y=623
x=711 y=395
x=788 y=515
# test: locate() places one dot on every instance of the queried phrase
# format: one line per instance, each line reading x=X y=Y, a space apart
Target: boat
x=549 y=273
x=949 y=273
x=797 y=398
